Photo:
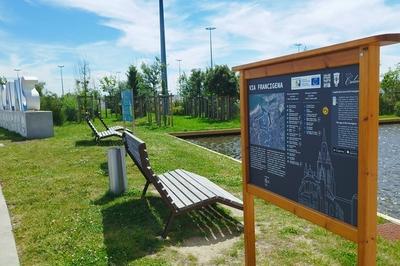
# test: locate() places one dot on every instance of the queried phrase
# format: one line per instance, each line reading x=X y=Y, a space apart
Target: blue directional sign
x=127 y=105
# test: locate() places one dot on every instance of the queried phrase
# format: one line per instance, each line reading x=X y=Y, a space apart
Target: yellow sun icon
x=325 y=110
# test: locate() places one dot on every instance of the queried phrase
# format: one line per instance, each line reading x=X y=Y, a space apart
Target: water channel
x=389 y=163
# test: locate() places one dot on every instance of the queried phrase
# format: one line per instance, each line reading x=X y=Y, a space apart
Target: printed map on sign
x=267 y=120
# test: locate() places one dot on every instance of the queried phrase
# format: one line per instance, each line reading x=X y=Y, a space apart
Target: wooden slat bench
x=181 y=190
x=102 y=134
x=115 y=128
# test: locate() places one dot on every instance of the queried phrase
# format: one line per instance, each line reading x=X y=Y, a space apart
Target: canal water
x=389 y=163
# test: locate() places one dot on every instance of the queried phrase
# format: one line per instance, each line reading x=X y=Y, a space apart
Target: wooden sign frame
x=366 y=53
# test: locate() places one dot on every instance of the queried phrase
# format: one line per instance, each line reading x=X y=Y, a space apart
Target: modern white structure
x=19 y=109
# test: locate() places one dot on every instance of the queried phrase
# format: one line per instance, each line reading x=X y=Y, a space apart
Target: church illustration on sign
x=318 y=188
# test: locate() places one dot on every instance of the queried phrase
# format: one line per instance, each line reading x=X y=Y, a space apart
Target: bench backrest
x=102 y=121
x=91 y=126
x=136 y=149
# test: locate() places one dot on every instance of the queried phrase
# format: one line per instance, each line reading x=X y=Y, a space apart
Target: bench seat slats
x=179 y=199
x=116 y=128
x=102 y=134
x=208 y=193
x=193 y=190
x=217 y=190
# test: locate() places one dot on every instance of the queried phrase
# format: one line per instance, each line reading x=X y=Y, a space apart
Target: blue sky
x=38 y=35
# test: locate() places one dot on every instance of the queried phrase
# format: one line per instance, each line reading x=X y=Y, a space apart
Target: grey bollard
x=117 y=170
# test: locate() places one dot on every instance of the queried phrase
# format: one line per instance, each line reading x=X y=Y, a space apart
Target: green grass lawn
x=56 y=190
x=389 y=118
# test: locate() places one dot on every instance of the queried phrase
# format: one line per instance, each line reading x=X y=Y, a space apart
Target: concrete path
x=8 y=250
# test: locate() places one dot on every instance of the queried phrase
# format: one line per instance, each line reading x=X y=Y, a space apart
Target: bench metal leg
x=168 y=225
x=145 y=189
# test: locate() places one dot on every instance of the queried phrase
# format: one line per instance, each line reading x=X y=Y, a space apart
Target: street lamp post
x=298 y=45
x=179 y=65
x=179 y=77
x=164 y=81
x=17 y=70
x=211 y=55
x=62 y=80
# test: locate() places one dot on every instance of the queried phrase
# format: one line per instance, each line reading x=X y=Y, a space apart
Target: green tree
x=40 y=88
x=196 y=82
x=108 y=84
x=221 y=81
x=184 y=88
x=390 y=86
x=134 y=79
x=3 y=80
x=82 y=82
x=151 y=77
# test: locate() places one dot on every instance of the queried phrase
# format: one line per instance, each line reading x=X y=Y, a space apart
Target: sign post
x=310 y=139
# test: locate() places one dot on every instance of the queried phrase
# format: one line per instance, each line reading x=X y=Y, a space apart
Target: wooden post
x=248 y=199
x=368 y=154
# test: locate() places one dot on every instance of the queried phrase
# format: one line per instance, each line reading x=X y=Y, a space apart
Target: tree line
x=389 y=100
x=217 y=81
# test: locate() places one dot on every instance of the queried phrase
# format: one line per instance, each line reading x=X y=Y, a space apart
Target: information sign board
x=303 y=136
x=309 y=127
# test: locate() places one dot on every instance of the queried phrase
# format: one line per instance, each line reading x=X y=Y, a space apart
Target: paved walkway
x=8 y=250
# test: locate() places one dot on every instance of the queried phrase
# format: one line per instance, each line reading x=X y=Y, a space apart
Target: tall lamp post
x=298 y=45
x=179 y=77
x=62 y=80
x=164 y=79
x=211 y=54
x=164 y=82
x=17 y=70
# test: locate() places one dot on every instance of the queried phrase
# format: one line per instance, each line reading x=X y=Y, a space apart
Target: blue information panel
x=127 y=106
x=303 y=136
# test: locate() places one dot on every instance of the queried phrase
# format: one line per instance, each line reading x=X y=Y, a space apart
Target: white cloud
x=315 y=23
x=246 y=31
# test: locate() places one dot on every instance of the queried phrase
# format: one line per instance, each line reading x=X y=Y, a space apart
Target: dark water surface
x=389 y=163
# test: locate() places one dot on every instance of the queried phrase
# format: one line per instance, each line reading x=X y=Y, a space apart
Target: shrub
x=397 y=109
x=178 y=110
x=385 y=108
x=50 y=102
x=70 y=107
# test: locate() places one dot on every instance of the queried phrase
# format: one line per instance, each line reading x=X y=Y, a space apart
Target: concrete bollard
x=117 y=170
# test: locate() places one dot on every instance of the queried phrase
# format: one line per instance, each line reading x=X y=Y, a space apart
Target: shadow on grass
x=87 y=143
x=104 y=168
x=132 y=228
x=8 y=135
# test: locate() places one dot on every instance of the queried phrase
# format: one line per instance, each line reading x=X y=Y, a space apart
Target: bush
x=50 y=102
x=178 y=110
x=385 y=108
x=70 y=107
x=397 y=109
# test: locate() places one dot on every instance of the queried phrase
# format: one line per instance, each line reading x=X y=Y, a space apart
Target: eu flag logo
x=315 y=81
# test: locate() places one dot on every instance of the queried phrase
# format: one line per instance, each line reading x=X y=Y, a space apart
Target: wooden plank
x=185 y=187
x=234 y=131
x=368 y=154
x=217 y=190
x=206 y=190
x=383 y=39
x=195 y=189
x=198 y=181
x=248 y=199
x=178 y=198
x=336 y=226
x=340 y=58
